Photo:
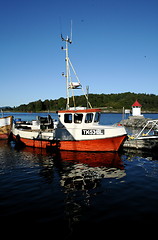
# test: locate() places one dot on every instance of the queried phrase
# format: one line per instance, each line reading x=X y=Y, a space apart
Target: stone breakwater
x=135 y=122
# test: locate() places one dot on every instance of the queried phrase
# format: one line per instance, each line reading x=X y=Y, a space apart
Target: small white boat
x=77 y=129
x=5 y=127
x=147 y=138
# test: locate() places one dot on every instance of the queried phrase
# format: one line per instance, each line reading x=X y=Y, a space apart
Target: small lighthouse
x=136 y=109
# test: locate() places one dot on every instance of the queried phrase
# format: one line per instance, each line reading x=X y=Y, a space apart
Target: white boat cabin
x=84 y=125
x=78 y=124
x=79 y=117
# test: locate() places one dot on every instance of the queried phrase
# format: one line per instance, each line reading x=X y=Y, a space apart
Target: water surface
x=78 y=194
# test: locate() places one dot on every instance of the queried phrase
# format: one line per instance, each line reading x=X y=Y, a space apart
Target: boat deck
x=36 y=130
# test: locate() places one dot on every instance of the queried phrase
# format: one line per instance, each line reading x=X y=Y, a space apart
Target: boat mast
x=69 y=84
x=67 y=41
x=67 y=73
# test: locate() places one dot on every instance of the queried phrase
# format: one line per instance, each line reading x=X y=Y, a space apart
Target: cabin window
x=89 y=118
x=68 y=118
x=78 y=118
x=97 y=117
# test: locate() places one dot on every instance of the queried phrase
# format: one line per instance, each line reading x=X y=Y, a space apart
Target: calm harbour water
x=78 y=194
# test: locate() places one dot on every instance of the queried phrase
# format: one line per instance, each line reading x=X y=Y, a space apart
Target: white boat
x=78 y=129
x=147 y=138
x=5 y=127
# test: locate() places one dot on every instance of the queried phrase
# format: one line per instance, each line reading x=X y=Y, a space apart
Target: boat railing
x=154 y=125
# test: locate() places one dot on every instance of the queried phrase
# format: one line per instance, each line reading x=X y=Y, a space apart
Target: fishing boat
x=77 y=129
x=5 y=127
x=146 y=138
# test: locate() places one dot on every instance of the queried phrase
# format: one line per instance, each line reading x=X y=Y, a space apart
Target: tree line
x=109 y=102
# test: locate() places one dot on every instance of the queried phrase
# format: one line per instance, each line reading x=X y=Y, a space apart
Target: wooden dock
x=149 y=144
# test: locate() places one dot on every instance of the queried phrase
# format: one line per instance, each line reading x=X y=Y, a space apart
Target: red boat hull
x=107 y=144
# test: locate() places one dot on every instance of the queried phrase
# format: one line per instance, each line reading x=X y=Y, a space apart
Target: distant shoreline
x=109 y=103
x=103 y=111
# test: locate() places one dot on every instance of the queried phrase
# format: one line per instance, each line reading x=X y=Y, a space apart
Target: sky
x=114 y=49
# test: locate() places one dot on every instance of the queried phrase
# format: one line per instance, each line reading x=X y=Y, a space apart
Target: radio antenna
x=67 y=39
x=71 y=31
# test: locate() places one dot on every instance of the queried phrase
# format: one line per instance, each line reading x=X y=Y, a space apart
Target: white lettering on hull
x=92 y=131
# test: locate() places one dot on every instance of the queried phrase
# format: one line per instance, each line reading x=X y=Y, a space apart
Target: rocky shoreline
x=135 y=122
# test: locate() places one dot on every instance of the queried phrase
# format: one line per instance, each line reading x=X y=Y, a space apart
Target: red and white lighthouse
x=136 y=109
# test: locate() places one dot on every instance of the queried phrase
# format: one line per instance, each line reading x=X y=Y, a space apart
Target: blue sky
x=115 y=47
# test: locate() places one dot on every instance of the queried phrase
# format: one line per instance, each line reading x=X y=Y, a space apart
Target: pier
x=143 y=144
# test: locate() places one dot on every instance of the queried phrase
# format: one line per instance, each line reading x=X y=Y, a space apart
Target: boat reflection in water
x=84 y=176
x=85 y=169
x=81 y=170
x=72 y=184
